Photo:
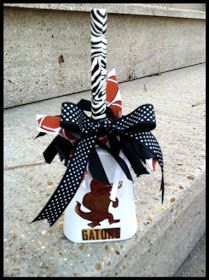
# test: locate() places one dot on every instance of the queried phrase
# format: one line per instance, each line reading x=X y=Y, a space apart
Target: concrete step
x=47 y=46
x=195 y=263
x=166 y=233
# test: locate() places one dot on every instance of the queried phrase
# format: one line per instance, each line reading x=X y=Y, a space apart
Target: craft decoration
x=87 y=145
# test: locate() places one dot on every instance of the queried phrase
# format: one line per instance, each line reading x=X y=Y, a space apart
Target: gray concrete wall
x=190 y=6
x=47 y=52
x=164 y=10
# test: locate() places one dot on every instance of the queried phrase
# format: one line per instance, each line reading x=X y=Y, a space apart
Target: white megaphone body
x=100 y=212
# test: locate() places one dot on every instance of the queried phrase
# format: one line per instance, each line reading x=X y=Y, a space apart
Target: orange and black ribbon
x=130 y=134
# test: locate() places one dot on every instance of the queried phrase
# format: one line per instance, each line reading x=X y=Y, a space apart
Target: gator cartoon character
x=98 y=201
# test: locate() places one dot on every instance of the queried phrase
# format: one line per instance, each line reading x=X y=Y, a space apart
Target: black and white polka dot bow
x=130 y=133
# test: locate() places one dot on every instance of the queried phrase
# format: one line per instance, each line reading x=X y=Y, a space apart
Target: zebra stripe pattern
x=98 y=63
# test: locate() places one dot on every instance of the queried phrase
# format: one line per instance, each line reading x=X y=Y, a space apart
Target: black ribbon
x=130 y=133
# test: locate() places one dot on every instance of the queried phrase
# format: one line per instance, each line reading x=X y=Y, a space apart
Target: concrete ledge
x=195 y=263
x=47 y=52
x=130 y=9
x=166 y=233
x=162 y=250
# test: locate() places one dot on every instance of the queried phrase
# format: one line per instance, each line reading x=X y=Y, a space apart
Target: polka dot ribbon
x=136 y=139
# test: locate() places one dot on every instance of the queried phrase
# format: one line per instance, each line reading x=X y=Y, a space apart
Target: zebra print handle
x=98 y=63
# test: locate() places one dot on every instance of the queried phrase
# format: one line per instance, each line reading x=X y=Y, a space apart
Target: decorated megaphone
x=101 y=153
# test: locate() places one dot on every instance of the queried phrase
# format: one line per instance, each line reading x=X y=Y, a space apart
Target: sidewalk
x=166 y=233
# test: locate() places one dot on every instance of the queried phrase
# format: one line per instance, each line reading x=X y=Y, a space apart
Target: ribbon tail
x=59 y=145
x=96 y=169
x=132 y=156
x=115 y=148
x=119 y=160
x=162 y=188
x=40 y=134
x=70 y=182
x=151 y=149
